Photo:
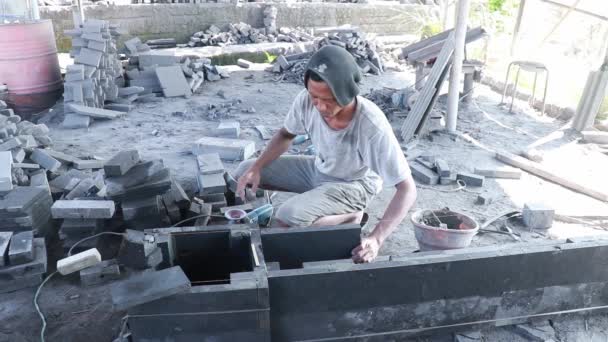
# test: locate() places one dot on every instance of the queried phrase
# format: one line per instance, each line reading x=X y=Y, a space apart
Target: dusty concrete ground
x=79 y=314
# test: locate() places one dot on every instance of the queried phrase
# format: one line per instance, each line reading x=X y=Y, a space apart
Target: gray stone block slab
x=423 y=174
x=89 y=164
x=83 y=209
x=138 y=174
x=228 y=129
x=6 y=167
x=538 y=216
x=21 y=248
x=89 y=57
x=470 y=179
x=73 y=121
x=499 y=172
x=62 y=157
x=10 y=144
x=443 y=168
x=173 y=81
x=37 y=266
x=18 y=155
x=130 y=91
x=42 y=158
x=209 y=164
x=98 y=113
x=152 y=59
x=148 y=286
x=122 y=162
x=5 y=238
x=211 y=184
x=85 y=188
x=228 y=149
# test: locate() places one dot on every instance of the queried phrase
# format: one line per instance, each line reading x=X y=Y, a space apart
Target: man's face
x=323 y=99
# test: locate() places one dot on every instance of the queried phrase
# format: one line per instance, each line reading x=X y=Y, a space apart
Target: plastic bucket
x=433 y=238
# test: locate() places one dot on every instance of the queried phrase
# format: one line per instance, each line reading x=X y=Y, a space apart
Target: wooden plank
x=412 y=121
x=543 y=172
x=440 y=37
x=432 y=50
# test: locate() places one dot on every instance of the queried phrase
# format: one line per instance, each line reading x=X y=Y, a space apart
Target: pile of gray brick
x=352 y=39
x=430 y=170
x=95 y=76
x=26 y=208
x=23 y=260
x=147 y=193
x=166 y=73
x=210 y=179
x=242 y=33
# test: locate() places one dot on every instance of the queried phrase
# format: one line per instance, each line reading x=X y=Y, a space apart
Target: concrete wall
x=182 y=20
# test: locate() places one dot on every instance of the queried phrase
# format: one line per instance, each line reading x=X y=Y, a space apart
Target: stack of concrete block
x=169 y=74
x=82 y=218
x=242 y=33
x=355 y=42
x=140 y=187
x=23 y=261
x=427 y=169
x=211 y=182
x=26 y=208
x=92 y=80
x=163 y=43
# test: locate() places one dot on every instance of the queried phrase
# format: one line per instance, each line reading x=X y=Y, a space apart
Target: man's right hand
x=250 y=177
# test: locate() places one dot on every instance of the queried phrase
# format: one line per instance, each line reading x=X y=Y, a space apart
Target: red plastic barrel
x=29 y=66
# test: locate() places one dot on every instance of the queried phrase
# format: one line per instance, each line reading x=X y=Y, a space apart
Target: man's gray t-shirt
x=366 y=150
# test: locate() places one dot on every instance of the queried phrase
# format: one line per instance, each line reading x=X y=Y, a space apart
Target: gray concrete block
x=538 y=216
x=138 y=174
x=470 y=179
x=62 y=157
x=39 y=178
x=21 y=248
x=154 y=59
x=106 y=271
x=244 y=63
x=209 y=164
x=37 y=266
x=499 y=172
x=423 y=174
x=18 y=155
x=42 y=158
x=6 y=167
x=73 y=121
x=122 y=162
x=535 y=332
x=89 y=164
x=211 y=184
x=130 y=91
x=29 y=166
x=10 y=144
x=79 y=209
x=89 y=57
x=179 y=195
x=172 y=81
x=148 y=286
x=98 y=46
x=140 y=208
x=28 y=141
x=228 y=149
x=98 y=113
x=5 y=238
x=228 y=129
x=119 y=107
x=484 y=199
x=443 y=169
x=84 y=188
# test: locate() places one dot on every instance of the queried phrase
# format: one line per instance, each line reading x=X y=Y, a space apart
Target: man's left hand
x=367 y=251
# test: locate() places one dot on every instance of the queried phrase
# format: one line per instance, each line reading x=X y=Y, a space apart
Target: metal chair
x=534 y=67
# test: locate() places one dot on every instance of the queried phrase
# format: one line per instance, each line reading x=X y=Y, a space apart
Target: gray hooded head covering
x=338 y=69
